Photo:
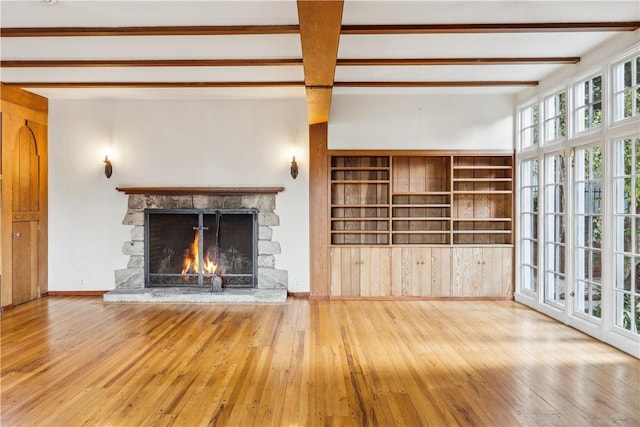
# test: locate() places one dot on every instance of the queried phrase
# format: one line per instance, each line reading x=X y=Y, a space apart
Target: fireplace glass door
x=187 y=247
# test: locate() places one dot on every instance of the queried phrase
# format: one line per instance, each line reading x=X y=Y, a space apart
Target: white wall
x=449 y=122
x=166 y=143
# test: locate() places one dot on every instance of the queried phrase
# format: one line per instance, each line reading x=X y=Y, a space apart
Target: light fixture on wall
x=294 y=168
x=108 y=167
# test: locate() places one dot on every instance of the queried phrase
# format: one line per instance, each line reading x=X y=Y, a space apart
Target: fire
x=190 y=262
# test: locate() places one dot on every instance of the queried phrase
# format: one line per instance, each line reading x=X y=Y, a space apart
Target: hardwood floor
x=78 y=361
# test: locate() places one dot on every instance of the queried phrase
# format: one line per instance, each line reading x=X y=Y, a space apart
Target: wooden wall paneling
x=366 y=272
x=425 y=273
x=441 y=277
x=10 y=127
x=417 y=176
x=319 y=234
x=355 y=276
x=489 y=276
x=502 y=271
x=400 y=174
x=397 y=270
x=335 y=273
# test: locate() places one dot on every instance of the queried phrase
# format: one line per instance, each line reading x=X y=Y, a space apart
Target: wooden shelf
x=359 y=168
x=490 y=192
x=358 y=219
x=461 y=219
x=482 y=167
x=424 y=196
x=199 y=190
x=360 y=181
x=420 y=193
x=482 y=180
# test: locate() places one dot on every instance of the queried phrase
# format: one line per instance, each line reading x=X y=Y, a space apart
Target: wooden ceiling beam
x=144 y=85
x=539 y=27
x=320 y=23
x=457 y=83
x=73 y=63
x=197 y=30
x=80 y=63
x=455 y=61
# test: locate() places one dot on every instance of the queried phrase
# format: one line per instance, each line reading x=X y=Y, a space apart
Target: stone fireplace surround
x=271 y=283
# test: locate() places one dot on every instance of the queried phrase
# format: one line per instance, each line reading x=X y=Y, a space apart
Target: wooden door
x=24 y=247
x=25 y=178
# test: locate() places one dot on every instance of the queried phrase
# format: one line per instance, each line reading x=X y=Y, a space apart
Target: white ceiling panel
x=95 y=13
x=154 y=74
x=157 y=47
x=469 y=45
x=375 y=12
x=443 y=73
x=173 y=93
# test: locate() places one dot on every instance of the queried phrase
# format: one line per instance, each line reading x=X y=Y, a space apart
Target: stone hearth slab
x=197 y=295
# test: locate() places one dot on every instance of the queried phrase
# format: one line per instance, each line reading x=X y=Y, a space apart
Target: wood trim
x=22 y=99
x=54 y=63
x=320 y=23
x=191 y=30
x=457 y=83
x=507 y=28
x=200 y=190
x=299 y=295
x=405 y=153
x=318 y=211
x=76 y=293
x=401 y=298
x=318 y=104
x=212 y=30
x=455 y=61
x=152 y=84
x=7 y=307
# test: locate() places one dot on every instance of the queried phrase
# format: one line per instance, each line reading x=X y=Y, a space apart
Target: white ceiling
x=92 y=13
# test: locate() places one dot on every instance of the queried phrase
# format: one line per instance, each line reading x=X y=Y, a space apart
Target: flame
x=191 y=260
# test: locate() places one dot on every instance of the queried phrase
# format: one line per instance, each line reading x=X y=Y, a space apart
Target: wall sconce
x=294 y=168
x=108 y=167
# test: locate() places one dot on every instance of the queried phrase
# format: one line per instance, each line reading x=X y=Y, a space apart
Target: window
x=554 y=229
x=588 y=231
x=555 y=117
x=626 y=89
x=588 y=104
x=529 y=225
x=626 y=183
x=529 y=126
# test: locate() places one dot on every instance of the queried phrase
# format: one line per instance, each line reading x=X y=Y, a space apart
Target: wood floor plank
x=71 y=361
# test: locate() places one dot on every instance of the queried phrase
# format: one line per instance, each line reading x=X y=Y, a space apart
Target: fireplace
x=194 y=247
x=179 y=234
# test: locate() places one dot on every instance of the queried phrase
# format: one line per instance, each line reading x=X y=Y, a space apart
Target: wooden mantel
x=199 y=190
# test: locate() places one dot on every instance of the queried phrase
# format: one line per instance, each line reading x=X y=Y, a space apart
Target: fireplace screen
x=189 y=247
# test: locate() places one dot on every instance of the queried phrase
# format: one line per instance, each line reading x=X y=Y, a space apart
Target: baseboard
x=76 y=293
x=6 y=307
x=300 y=295
x=319 y=298
x=392 y=298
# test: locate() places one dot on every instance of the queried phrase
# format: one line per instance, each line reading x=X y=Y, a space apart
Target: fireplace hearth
x=185 y=241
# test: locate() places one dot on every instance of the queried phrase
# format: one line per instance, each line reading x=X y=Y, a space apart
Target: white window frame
x=618 y=88
x=579 y=104
x=528 y=126
x=551 y=115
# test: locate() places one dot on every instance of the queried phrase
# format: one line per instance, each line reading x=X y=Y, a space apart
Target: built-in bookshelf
x=421 y=200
